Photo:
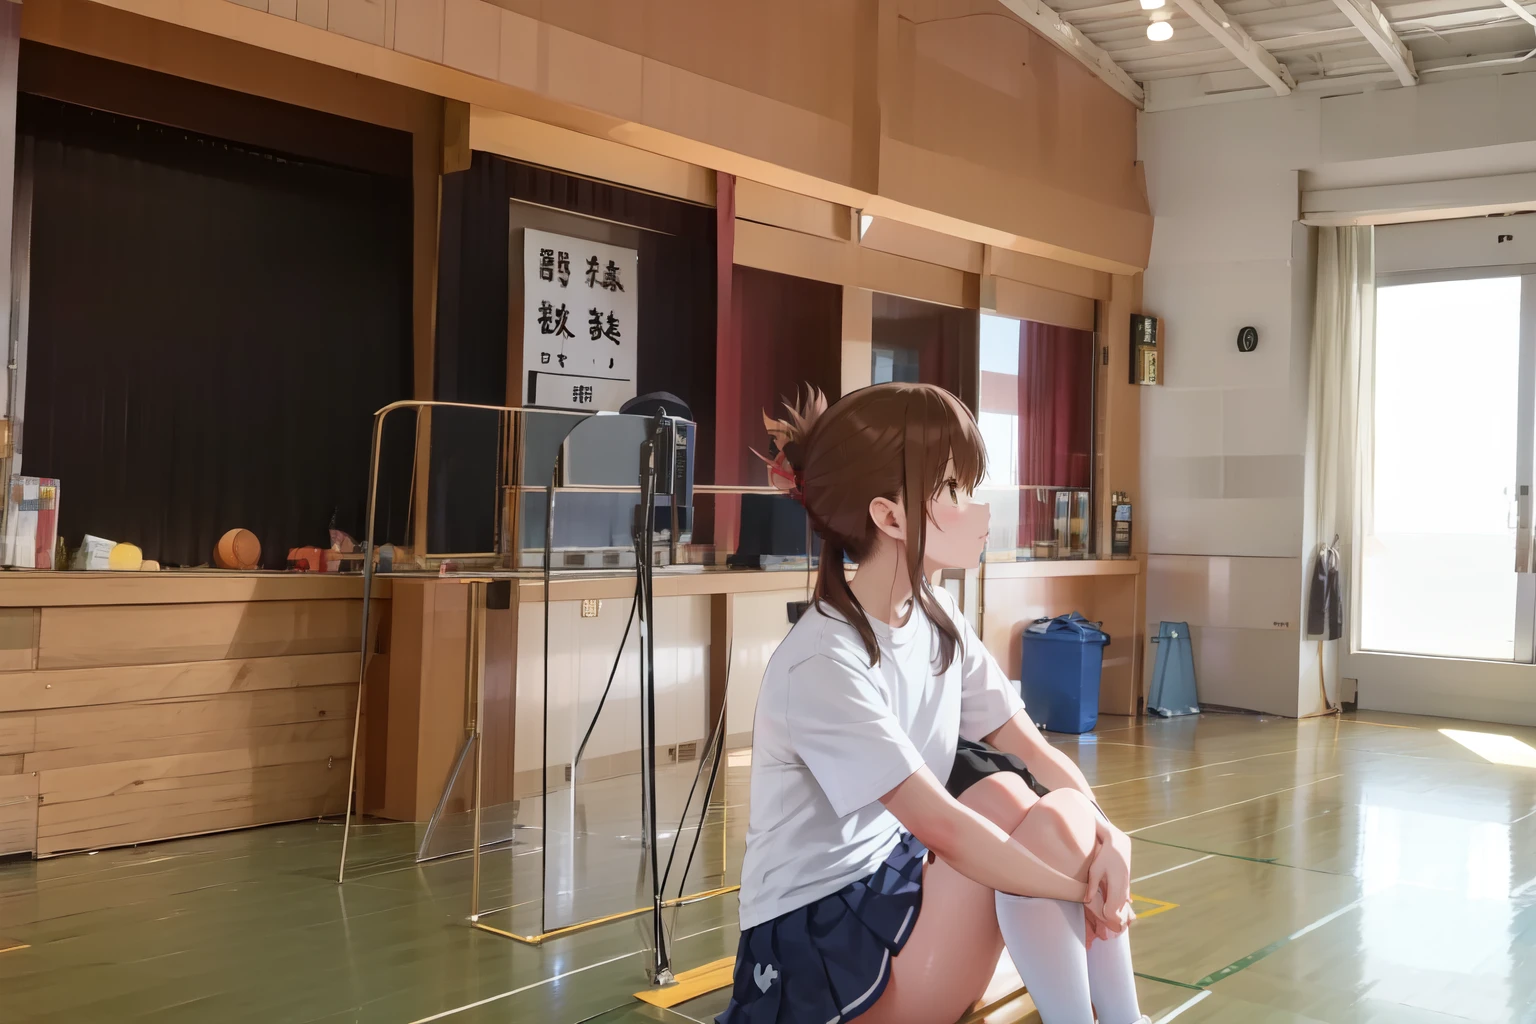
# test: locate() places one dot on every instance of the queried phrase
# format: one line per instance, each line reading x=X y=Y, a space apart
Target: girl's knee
x=1002 y=798
x=1060 y=830
x=1074 y=815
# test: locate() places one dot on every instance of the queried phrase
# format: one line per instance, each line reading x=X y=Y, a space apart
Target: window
x=1438 y=558
x=1036 y=416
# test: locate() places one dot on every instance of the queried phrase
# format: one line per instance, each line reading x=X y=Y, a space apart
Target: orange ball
x=237 y=549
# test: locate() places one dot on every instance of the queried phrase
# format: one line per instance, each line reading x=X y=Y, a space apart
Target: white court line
x=1181 y=771
x=1186 y=1004
x=525 y=988
x=1165 y=871
x=1238 y=803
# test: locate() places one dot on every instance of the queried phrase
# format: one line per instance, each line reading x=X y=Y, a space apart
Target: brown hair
x=886 y=441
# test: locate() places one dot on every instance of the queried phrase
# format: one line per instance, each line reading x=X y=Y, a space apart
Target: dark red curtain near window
x=1055 y=418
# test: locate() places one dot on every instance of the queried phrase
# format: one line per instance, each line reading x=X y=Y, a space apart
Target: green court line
x=1255 y=957
x=1170 y=981
x=1213 y=853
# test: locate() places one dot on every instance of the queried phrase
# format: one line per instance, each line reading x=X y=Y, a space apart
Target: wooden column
x=12 y=394
x=1119 y=451
x=728 y=365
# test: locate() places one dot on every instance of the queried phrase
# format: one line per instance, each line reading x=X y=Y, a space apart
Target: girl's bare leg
x=946 y=964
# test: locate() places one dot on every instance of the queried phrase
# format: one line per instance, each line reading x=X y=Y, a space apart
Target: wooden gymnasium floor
x=1370 y=868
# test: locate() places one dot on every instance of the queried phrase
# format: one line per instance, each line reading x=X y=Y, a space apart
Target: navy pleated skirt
x=828 y=962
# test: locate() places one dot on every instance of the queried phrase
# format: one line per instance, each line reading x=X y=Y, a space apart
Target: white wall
x=1223 y=440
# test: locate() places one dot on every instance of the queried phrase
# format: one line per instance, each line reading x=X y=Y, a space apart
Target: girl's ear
x=889 y=518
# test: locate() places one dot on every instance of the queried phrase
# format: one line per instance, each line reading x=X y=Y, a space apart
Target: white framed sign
x=579 y=322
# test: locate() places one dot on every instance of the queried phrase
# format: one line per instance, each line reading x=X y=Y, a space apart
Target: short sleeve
x=988 y=698
x=841 y=725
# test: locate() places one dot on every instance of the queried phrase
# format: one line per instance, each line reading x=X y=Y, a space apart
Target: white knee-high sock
x=1110 y=980
x=1045 y=939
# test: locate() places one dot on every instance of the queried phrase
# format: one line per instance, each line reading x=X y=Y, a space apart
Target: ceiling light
x=1152 y=5
x=1159 y=31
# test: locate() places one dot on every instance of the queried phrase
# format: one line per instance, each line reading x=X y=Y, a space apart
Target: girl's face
x=957 y=527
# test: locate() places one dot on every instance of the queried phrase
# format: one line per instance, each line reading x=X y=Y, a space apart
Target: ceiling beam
x=1209 y=16
x=1378 y=31
x=1049 y=24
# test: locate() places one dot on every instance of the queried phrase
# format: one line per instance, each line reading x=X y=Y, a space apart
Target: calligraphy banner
x=579 y=322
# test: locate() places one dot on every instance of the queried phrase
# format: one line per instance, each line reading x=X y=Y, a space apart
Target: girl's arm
x=974 y=846
x=1055 y=770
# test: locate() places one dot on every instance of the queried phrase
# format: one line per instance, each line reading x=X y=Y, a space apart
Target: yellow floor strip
x=998 y=1008
x=11 y=945
x=1160 y=906
x=691 y=984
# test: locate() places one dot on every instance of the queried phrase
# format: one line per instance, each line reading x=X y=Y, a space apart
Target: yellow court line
x=1163 y=906
x=691 y=984
x=12 y=945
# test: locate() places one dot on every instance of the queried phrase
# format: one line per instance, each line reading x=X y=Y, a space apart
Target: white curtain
x=1338 y=441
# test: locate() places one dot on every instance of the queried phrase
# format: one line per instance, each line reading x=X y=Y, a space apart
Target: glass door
x=1446 y=554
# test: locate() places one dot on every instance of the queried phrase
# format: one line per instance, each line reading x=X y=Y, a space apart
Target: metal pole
x=362 y=668
x=476 y=669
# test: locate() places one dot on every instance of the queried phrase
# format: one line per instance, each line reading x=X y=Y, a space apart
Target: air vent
x=575 y=558
x=567 y=773
x=686 y=752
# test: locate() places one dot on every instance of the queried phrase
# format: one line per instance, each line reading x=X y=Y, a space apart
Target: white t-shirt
x=833 y=735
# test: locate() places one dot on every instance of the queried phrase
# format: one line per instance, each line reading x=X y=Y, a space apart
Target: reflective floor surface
x=1374 y=868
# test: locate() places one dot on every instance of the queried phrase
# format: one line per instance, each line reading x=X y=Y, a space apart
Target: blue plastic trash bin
x=1061 y=661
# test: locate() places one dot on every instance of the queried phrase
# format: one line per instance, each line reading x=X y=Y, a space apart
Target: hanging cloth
x=1325 y=602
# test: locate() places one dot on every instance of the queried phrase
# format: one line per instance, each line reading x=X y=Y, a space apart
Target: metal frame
x=473 y=742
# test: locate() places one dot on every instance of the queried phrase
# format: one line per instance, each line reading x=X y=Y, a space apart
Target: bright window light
x=1152 y=5
x=1495 y=748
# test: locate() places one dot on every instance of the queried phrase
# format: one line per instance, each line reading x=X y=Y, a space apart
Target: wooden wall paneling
x=1035 y=270
x=858 y=338
x=721 y=631
x=426 y=695
x=18 y=638
x=12 y=764
x=1031 y=302
x=901 y=239
x=73 y=737
x=529 y=141
x=151 y=634
x=331 y=734
x=914 y=279
x=18 y=814
x=498 y=725
x=76 y=589
x=373 y=729
x=75 y=814
x=18 y=733
x=28 y=691
x=792 y=252
x=443 y=695
x=768 y=205
x=409 y=646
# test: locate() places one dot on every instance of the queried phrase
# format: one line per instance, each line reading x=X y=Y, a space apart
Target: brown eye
x=954 y=491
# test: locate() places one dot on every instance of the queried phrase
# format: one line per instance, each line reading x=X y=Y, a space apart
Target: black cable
x=612 y=673
x=648 y=652
x=714 y=773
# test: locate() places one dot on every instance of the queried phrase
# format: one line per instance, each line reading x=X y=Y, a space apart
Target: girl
x=890 y=855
